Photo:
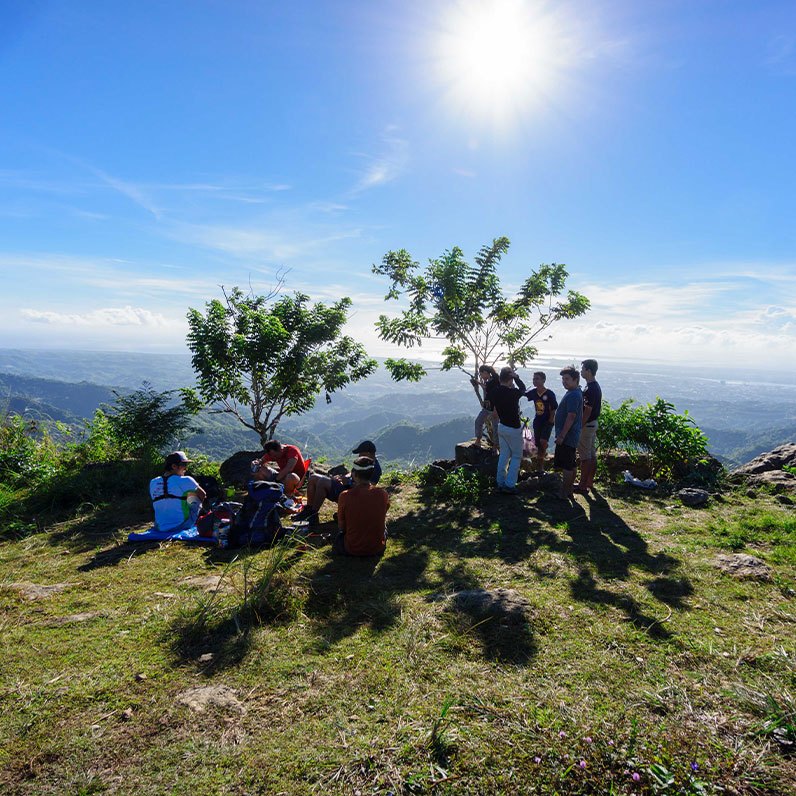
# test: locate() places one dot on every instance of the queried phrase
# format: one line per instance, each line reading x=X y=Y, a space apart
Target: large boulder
x=766 y=469
x=477 y=456
x=784 y=455
x=237 y=470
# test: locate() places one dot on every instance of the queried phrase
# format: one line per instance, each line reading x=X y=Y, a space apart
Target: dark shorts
x=338 y=487
x=564 y=457
x=541 y=433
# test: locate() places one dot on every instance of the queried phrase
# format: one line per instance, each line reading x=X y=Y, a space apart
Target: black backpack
x=258 y=522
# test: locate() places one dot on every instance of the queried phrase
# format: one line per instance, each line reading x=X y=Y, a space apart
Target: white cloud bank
x=106 y=316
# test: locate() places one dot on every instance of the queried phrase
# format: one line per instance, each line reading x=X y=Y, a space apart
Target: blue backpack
x=258 y=522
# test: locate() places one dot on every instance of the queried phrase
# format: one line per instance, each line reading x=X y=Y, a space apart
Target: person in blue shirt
x=569 y=420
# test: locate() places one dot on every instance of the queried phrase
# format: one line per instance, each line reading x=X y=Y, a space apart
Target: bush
x=28 y=455
x=673 y=441
x=462 y=485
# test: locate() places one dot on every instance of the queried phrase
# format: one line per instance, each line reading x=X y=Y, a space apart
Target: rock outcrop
x=767 y=469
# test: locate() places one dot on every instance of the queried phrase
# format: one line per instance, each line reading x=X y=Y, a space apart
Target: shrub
x=462 y=485
x=144 y=425
x=28 y=454
x=673 y=441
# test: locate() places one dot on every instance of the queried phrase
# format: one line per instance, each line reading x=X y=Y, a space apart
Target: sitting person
x=325 y=487
x=176 y=497
x=362 y=514
x=290 y=466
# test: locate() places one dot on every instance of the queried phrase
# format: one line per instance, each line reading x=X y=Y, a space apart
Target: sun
x=496 y=59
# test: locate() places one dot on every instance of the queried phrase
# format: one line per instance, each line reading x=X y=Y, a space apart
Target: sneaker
x=312 y=520
x=509 y=490
x=304 y=514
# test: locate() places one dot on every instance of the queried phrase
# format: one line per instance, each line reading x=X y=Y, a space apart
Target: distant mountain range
x=408 y=422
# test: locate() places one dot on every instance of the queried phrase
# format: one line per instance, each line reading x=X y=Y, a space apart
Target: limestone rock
x=477 y=456
x=435 y=474
x=784 y=455
x=766 y=469
x=690 y=496
x=75 y=618
x=37 y=591
x=207 y=583
x=742 y=565
x=506 y=605
x=211 y=697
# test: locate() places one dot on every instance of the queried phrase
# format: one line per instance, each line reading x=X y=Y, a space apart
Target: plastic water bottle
x=223 y=536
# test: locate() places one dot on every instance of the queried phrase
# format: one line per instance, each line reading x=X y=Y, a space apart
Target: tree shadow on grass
x=347 y=594
x=217 y=631
x=511 y=528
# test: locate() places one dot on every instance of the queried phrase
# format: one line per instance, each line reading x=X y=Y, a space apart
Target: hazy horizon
x=151 y=153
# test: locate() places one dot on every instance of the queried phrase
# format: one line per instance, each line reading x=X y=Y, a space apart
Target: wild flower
x=636 y=776
x=694 y=767
x=562 y=734
x=587 y=739
x=537 y=759
x=582 y=764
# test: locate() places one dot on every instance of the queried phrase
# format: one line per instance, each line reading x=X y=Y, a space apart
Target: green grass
x=635 y=655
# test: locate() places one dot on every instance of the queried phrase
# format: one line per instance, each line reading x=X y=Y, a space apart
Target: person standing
x=569 y=419
x=587 y=445
x=488 y=380
x=545 y=405
x=506 y=400
x=176 y=497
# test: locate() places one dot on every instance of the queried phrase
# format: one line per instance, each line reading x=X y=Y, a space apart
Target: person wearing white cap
x=176 y=497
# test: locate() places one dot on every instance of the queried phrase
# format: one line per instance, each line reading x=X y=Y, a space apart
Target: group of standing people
x=574 y=420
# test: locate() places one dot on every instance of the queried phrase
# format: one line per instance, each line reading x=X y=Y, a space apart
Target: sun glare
x=498 y=58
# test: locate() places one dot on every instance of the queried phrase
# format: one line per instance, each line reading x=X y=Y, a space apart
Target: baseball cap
x=366 y=446
x=178 y=457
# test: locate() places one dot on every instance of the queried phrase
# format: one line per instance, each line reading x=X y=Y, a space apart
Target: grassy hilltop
x=618 y=659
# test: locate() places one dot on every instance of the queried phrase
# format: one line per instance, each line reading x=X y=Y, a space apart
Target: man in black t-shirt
x=545 y=405
x=592 y=404
x=506 y=401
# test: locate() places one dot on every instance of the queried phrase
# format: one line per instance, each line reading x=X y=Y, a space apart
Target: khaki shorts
x=587 y=448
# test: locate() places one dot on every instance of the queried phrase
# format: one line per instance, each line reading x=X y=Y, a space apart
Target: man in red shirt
x=290 y=465
x=362 y=514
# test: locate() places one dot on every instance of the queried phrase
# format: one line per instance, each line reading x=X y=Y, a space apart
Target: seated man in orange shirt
x=290 y=465
x=362 y=514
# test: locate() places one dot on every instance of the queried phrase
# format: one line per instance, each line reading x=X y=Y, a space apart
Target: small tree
x=261 y=363
x=464 y=304
x=146 y=422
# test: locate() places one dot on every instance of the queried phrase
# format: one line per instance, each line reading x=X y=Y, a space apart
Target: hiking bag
x=528 y=442
x=258 y=521
x=220 y=513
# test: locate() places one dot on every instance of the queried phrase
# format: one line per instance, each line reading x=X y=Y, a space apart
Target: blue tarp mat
x=155 y=535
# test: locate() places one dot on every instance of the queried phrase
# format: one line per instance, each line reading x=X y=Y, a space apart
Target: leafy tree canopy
x=465 y=305
x=147 y=422
x=262 y=361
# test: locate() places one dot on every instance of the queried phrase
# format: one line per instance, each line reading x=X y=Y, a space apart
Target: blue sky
x=152 y=151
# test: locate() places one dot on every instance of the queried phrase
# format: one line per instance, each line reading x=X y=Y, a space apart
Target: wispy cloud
x=781 y=54
x=385 y=167
x=255 y=241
